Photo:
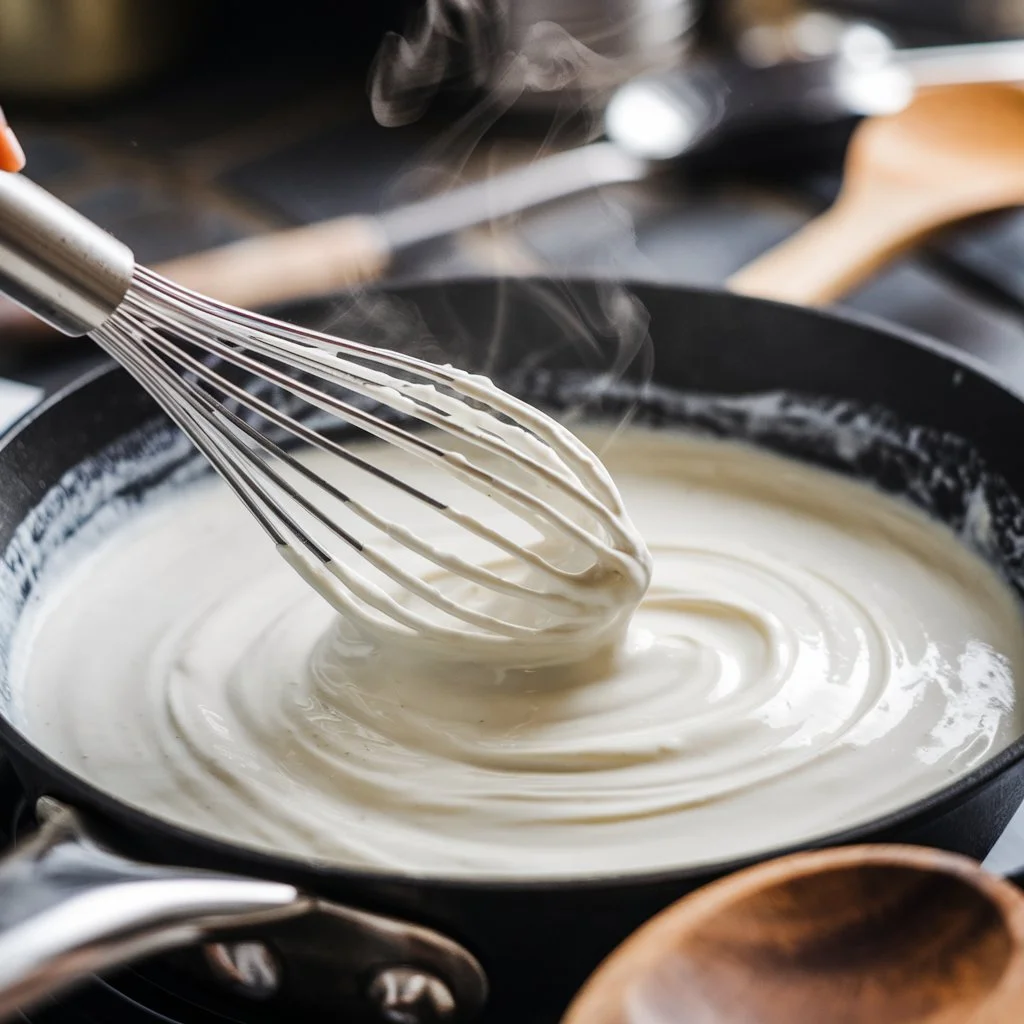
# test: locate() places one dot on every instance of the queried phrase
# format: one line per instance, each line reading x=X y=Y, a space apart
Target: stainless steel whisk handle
x=56 y=263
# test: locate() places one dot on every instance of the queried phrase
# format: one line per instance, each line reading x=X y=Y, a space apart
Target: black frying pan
x=903 y=412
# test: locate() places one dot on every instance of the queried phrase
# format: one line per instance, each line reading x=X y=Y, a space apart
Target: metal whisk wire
x=198 y=358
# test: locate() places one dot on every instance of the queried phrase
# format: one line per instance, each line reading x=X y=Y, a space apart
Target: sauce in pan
x=810 y=654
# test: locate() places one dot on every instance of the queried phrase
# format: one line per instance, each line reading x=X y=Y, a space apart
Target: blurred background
x=182 y=125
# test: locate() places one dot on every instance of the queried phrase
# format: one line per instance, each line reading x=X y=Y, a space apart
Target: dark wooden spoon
x=854 y=935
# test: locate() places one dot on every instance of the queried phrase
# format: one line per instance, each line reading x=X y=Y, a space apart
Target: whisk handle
x=56 y=263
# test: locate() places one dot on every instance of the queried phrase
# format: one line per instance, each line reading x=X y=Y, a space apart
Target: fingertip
x=12 y=156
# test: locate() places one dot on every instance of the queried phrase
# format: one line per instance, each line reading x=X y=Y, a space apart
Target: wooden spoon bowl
x=857 y=935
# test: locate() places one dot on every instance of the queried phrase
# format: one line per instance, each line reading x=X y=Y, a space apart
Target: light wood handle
x=283 y=266
x=286 y=266
x=836 y=252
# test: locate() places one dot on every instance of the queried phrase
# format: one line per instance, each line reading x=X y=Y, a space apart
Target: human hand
x=12 y=156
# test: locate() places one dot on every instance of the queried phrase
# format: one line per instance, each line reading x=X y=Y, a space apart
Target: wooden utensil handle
x=283 y=266
x=286 y=266
x=834 y=253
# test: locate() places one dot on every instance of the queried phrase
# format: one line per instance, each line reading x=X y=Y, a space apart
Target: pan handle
x=69 y=908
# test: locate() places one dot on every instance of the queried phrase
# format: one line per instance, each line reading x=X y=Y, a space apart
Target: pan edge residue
x=89 y=501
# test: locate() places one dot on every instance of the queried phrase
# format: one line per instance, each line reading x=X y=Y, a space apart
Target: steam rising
x=448 y=36
x=502 y=53
x=528 y=46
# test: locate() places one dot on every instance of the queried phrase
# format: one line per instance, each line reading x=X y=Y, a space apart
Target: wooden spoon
x=854 y=935
x=952 y=153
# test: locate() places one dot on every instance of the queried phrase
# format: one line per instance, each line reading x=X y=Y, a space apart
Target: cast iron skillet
x=902 y=411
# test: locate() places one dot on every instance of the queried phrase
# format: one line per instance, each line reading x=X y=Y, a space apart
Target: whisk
x=553 y=572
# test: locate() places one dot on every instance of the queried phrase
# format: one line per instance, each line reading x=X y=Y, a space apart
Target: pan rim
x=266 y=863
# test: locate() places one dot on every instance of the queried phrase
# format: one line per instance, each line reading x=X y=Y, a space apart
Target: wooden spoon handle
x=835 y=252
x=284 y=266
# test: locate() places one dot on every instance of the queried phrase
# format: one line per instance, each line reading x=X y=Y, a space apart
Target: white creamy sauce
x=810 y=654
